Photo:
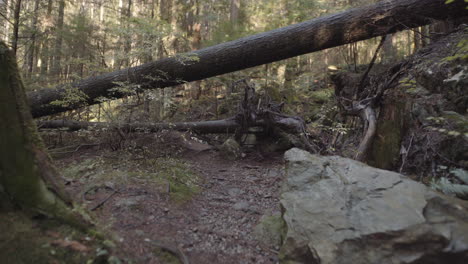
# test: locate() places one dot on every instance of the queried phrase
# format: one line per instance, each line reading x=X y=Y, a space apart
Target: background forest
x=64 y=41
x=355 y=153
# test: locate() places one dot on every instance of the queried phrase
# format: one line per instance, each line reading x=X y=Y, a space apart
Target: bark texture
x=27 y=177
x=204 y=127
x=317 y=34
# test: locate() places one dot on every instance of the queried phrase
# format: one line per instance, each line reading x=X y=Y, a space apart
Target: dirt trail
x=215 y=226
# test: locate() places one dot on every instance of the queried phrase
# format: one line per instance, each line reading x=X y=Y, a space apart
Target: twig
x=406 y=154
x=104 y=201
x=371 y=64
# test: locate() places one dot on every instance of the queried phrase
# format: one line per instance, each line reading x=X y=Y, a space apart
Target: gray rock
x=129 y=202
x=339 y=210
x=235 y=192
x=242 y=205
x=230 y=149
x=270 y=230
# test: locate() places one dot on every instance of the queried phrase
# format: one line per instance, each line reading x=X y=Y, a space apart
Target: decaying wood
x=364 y=103
x=253 y=111
x=204 y=127
x=353 y=25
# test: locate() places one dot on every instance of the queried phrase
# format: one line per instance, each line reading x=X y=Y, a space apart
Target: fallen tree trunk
x=204 y=127
x=317 y=34
x=253 y=112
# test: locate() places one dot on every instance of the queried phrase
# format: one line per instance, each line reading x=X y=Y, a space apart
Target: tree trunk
x=56 y=68
x=6 y=4
x=321 y=33
x=204 y=127
x=45 y=54
x=16 y=18
x=27 y=177
x=32 y=49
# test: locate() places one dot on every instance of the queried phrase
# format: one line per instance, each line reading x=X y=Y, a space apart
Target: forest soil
x=216 y=225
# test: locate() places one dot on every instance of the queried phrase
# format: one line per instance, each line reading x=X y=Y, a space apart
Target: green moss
x=23 y=240
x=24 y=166
x=321 y=96
x=183 y=182
x=386 y=146
x=271 y=230
x=166 y=257
x=160 y=173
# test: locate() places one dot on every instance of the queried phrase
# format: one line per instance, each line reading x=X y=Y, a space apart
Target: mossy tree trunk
x=28 y=179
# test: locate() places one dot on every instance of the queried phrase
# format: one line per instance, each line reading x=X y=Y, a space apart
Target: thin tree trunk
x=45 y=56
x=313 y=35
x=56 y=68
x=32 y=54
x=6 y=4
x=16 y=21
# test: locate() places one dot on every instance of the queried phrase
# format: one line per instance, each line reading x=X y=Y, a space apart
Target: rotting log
x=262 y=114
x=204 y=127
x=356 y=24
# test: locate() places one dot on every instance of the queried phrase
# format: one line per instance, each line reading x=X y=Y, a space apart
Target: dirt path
x=215 y=226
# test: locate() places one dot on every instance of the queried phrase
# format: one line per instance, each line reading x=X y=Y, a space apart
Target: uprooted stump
x=256 y=114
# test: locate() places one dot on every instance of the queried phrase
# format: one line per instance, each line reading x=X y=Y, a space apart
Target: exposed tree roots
x=253 y=112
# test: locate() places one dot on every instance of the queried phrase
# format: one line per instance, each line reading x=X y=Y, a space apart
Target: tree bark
x=27 y=177
x=32 y=48
x=204 y=127
x=317 y=34
x=16 y=22
x=57 y=67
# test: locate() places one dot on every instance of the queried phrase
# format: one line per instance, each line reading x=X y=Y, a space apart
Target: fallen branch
x=204 y=127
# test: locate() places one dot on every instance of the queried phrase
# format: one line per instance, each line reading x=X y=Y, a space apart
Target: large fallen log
x=204 y=127
x=317 y=34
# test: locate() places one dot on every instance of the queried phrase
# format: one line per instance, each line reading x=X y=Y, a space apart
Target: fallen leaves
x=70 y=244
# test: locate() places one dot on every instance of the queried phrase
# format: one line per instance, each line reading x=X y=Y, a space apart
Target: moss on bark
x=385 y=150
x=27 y=176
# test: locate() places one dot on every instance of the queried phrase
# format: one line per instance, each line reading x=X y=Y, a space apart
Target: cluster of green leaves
x=461 y=53
x=72 y=97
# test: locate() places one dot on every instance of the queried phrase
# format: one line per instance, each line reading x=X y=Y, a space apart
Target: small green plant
x=457 y=185
x=72 y=97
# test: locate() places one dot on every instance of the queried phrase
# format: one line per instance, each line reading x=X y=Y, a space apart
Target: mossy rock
x=270 y=231
x=230 y=149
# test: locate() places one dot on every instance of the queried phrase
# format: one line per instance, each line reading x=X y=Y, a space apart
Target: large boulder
x=338 y=210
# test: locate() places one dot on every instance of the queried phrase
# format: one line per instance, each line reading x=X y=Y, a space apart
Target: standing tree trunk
x=45 y=56
x=32 y=49
x=16 y=22
x=27 y=177
x=6 y=4
x=56 y=68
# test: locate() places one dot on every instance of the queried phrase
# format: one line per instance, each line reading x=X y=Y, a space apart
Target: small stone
x=235 y=192
x=243 y=205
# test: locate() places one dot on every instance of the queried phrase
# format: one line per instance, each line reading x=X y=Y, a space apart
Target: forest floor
x=151 y=206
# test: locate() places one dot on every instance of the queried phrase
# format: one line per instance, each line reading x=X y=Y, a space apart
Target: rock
x=230 y=149
x=235 y=192
x=242 y=205
x=270 y=231
x=130 y=202
x=339 y=210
